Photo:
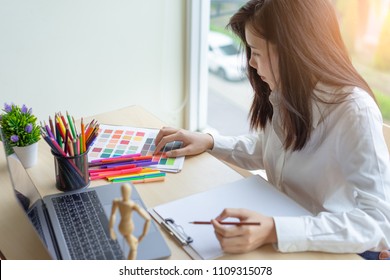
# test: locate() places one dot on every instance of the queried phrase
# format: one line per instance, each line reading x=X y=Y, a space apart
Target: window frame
x=198 y=24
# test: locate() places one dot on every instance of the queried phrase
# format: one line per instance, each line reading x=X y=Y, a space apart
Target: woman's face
x=263 y=58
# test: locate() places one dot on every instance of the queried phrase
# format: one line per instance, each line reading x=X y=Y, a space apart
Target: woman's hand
x=384 y=255
x=241 y=239
x=193 y=142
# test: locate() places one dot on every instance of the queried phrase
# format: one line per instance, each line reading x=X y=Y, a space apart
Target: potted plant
x=21 y=132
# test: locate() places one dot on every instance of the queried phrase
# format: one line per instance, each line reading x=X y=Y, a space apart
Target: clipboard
x=199 y=241
x=178 y=233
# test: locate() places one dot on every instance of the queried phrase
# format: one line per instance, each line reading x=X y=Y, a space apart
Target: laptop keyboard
x=85 y=227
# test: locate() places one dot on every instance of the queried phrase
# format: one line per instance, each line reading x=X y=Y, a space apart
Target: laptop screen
x=25 y=189
x=18 y=237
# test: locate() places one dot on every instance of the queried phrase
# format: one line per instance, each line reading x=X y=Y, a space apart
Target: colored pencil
x=61 y=133
x=71 y=124
x=146 y=163
x=92 y=135
x=89 y=129
x=144 y=172
x=70 y=148
x=118 y=172
x=126 y=166
x=148 y=180
x=83 y=140
x=124 y=158
x=118 y=157
x=119 y=161
x=61 y=126
x=66 y=141
x=49 y=131
x=58 y=134
x=62 y=118
x=136 y=176
x=148 y=170
x=140 y=180
x=114 y=164
x=52 y=126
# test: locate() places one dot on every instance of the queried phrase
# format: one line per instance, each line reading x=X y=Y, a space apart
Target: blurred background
x=365 y=27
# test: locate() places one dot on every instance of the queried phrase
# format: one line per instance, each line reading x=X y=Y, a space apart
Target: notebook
x=74 y=225
x=199 y=241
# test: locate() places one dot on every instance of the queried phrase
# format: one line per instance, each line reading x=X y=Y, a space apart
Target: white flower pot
x=27 y=155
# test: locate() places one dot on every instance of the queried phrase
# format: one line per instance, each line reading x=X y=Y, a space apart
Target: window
x=365 y=26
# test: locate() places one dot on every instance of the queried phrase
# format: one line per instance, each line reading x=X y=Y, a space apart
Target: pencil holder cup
x=71 y=171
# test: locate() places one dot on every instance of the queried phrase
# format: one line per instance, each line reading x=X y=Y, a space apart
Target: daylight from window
x=365 y=27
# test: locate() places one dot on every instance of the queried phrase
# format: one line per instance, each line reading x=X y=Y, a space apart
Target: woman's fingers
x=193 y=142
x=244 y=238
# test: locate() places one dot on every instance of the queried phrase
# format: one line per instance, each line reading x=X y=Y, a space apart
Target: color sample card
x=113 y=141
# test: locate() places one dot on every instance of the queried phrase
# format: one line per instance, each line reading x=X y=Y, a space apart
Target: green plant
x=19 y=125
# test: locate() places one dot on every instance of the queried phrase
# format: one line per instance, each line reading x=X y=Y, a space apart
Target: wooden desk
x=200 y=173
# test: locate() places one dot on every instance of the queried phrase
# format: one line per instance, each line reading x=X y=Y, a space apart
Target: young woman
x=318 y=135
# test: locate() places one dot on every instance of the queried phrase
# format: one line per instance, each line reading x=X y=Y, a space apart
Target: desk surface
x=199 y=173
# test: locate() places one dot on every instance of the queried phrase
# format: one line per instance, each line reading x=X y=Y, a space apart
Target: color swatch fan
x=113 y=141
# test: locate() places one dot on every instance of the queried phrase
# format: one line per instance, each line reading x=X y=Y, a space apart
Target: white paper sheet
x=251 y=193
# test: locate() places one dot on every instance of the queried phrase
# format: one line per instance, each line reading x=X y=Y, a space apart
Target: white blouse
x=342 y=175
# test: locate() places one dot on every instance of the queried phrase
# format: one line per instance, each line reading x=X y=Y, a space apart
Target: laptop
x=75 y=225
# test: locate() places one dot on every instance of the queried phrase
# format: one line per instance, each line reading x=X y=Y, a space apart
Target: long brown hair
x=310 y=49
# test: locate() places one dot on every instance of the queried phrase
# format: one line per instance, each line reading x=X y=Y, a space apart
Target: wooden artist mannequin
x=126 y=225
